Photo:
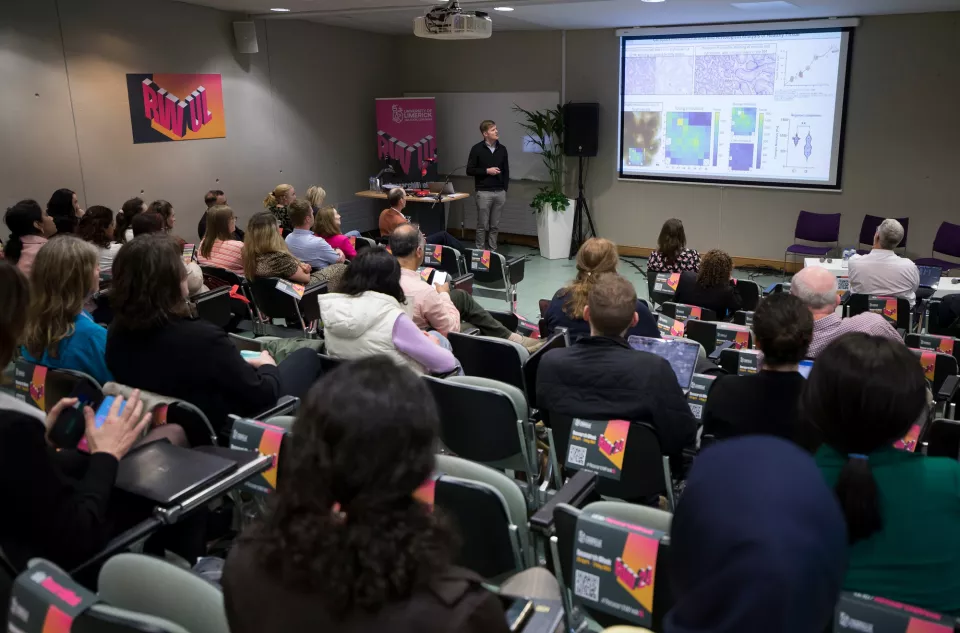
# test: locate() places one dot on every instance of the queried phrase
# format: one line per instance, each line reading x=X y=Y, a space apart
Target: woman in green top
x=902 y=509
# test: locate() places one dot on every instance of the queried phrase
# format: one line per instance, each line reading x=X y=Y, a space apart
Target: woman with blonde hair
x=596 y=256
x=60 y=334
x=219 y=247
x=265 y=254
x=277 y=202
x=316 y=195
x=713 y=287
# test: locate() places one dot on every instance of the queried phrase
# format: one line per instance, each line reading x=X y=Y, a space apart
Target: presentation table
x=836 y=265
x=947 y=286
x=431 y=218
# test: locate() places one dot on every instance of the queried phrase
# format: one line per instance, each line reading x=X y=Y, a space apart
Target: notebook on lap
x=166 y=474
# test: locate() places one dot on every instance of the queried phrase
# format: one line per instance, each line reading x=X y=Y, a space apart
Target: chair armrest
x=515 y=268
x=948 y=390
x=470 y=331
x=286 y=405
x=576 y=492
x=309 y=306
x=463 y=282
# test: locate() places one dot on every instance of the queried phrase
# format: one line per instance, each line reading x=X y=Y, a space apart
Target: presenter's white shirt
x=884 y=273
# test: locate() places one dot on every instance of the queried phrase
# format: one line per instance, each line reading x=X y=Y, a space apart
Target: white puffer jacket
x=362 y=326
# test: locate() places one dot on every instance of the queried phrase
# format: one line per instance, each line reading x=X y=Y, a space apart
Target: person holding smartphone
x=46 y=514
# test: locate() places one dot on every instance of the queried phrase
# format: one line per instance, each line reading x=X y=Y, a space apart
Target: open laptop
x=441 y=188
x=682 y=355
x=166 y=474
x=930 y=276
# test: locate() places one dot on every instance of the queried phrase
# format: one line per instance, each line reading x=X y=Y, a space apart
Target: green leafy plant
x=545 y=129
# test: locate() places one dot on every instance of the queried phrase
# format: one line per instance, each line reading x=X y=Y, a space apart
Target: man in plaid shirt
x=817 y=288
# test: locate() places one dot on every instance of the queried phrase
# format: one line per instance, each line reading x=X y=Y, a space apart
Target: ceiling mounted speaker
x=246 y=35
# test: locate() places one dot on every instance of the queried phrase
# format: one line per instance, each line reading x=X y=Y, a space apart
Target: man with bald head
x=817 y=288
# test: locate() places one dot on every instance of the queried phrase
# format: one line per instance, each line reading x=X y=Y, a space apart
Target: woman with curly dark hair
x=346 y=546
x=713 y=287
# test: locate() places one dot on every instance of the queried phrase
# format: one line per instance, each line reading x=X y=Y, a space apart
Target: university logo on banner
x=175 y=107
x=406 y=134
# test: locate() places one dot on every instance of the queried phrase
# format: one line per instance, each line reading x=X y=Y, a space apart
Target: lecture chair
x=490 y=357
x=445 y=258
x=241 y=302
x=165 y=410
x=947 y=242
x=662 y=286
x=743 y=317
x=862 y=612
x=934 y=342
x=938 y=367
x=709 y=335
x=495 y=275
x=859 y=303
x=214 y=306
x=273 y=303
x=532 y=365
x=941 y=438
x=814 y=227
x=682 y=312
x=868 y=229
x=750 y=294
x=46 y=386
x=563 y=545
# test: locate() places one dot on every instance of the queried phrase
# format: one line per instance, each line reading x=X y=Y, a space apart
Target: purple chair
x=869 y=228
x=814 y=227
x=947 y=242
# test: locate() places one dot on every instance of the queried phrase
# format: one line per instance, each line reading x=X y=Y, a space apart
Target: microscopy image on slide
x=688 y=138
x=741 y=156
x=735 y=74
x=640 y=75
x=744 y=121
x=641 y=138
x=658 y=75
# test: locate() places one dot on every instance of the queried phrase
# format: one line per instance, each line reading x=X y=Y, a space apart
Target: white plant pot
x=555 y=231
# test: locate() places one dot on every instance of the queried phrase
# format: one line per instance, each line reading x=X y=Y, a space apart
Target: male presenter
x=490 y=168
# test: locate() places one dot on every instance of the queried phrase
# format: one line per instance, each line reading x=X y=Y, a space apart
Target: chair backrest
x=699 y=393
x=743 y=317
x=937 y=367
x=214 y=306
x=489 y=268
x=530 y=368
x=272 y=437
x=896 y=310
x=872 y=222
x=664 y=286
x=361 y=243
x=934 y=342
x=750 y=293
x=942 y=437
x=818 y=227
x=42 y=387
x=862 y=612
x=683 y=311
x=947 y=240
x=508 y=320
x=640 y=475
x=445 y=258
x=566 y=518
x=711 y=334
x=154 y=586
x=488 y=357
x=741 y=362
x=478 y=423
x=102 y=618
x=215 y=277
x=273 y=303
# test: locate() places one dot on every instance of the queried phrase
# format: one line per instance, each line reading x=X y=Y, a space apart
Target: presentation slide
x=751 y=109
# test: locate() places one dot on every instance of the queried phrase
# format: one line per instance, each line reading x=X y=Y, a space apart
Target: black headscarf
x=758 y=542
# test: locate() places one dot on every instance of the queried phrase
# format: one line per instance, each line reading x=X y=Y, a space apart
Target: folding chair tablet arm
x=252 y=468
x=122 y=542
x=286 y=405
x=577 y=492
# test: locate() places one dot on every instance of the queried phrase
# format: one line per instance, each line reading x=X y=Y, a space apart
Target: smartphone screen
x=104 y=410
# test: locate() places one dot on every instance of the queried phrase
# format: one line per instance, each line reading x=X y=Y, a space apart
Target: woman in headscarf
x=758 y=543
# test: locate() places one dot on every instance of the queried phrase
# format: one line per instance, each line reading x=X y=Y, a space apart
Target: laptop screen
x=682 y=355
x=929 y=276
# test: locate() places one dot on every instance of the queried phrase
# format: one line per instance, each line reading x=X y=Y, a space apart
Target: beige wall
x=296 y=112
x=902 y=136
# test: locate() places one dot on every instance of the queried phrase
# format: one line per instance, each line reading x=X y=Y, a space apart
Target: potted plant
x=553 y=208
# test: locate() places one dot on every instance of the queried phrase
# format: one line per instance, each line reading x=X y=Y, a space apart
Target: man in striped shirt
x=817 y=288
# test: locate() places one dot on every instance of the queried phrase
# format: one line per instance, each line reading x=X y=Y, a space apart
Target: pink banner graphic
x=406 y=133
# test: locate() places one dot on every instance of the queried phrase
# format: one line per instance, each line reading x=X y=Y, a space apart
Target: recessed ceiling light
x=280 y=10
x=503 y=8
x=654 y=0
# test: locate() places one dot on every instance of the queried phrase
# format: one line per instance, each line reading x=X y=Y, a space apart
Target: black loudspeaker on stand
x=581 y=123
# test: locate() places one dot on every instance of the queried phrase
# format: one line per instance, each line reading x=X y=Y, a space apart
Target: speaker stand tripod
x=581 y=210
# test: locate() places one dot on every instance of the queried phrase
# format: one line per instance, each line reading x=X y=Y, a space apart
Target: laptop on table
x=930 y=276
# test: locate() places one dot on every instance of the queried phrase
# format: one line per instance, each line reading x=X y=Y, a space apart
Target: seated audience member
x=327 y=225
x=215 y=198
x=393 y=217
x=146 y=223
x=60 y=333
x=65 y=210
x=130 y=209
x=438 y=307
x=367 y=317
x=348 y=547
x=97 y=226
x=277 y=202
x=165 y=210
x=316 y=196
x=757 y=543
x=155 y=344
x=265 y=254
x=601 y=377
x=56 y=514
x=816 y=287
x=218 y=247
x=765 y=403
x=864 y=394
x=30 y=227
x=672 y=254
x=325 y=260
x=595 y=257
x=882 y=271
x=712 y=287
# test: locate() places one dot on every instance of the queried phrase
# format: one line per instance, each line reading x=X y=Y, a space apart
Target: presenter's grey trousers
x=489 y=206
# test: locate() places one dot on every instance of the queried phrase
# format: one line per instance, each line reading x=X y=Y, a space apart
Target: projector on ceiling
x=450 y=22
